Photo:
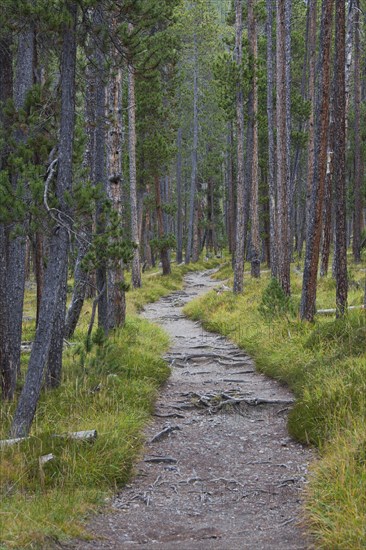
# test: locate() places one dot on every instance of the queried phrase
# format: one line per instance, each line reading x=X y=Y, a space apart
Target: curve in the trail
x=219 y=469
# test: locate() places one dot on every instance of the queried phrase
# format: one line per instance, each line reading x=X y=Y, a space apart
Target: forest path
x=219 y=476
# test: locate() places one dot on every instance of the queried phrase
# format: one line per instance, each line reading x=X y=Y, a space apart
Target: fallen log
x=333 y=310
x=10 y=442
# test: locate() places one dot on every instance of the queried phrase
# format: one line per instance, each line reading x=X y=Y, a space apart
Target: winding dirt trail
x=219 y=469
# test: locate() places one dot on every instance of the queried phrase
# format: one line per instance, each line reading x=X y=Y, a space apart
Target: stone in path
x=219 y=470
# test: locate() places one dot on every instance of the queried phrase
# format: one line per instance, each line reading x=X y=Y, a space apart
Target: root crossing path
x=219 y=469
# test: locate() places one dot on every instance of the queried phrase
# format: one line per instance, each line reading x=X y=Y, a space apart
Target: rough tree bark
x=116 y=295
x=340 y=161
x=164 y=250
x=358 y=179
x=271 y=143
x=308 y=298
x=136 y=269
x=283 y=129
x=16 y=246
x=240 y=208
x=179 y=199
x=192 y=193
x=254 y=207
x=59 y=241
x=7 y=372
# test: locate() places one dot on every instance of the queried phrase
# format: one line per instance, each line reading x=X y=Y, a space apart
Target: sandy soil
x=219 y=470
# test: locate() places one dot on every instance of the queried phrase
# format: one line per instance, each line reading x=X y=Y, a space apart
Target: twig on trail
x=169 y=415
x=161 y=459
x=166 y=431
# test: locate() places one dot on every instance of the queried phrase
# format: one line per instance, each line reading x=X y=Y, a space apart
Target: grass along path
x=325 y=365
x=112 y=388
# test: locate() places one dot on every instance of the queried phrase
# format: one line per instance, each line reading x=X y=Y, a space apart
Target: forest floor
x=219 y=469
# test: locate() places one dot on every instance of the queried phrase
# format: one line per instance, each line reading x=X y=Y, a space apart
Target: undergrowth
x=325 y=365
x=110 y=388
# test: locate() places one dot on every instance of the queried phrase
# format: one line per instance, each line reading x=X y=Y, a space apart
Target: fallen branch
x=166 y=431
x=161 y=459
x=334 y=310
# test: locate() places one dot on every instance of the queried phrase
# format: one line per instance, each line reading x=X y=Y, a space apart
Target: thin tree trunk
x=59 y=242
x=7 y=373
x=240 y=211
x=192 y=206
x=179 y=199
x=282 y=149
x=164 y=251
x=16 y=246
x=328 y=202
x=254 y=213
x=116 y=295
x=136 y=269
x=340 y=161
x=100 y=175
x=312 y=67
x=308 y=298
x=271 y=144
x=358 y=178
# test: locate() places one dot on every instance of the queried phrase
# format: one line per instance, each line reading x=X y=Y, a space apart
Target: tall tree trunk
x=230 y=189
x=100 y=172
x=312 y=66
x=328 y=204
x=358 y=178
x=283 y=129
x=340 y=161
x=240 y=211
x=82 y=279
x=271 y=143
x=8 y=373
x=192 y=226
x=16 y=246
x=254 y=212
x=164 y=250
x=308 y=298
x=136 y=269
x=116 y=294
x=179 y=199
x=59 y=243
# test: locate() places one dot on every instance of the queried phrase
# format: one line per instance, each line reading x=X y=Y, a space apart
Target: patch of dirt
x=219 y=470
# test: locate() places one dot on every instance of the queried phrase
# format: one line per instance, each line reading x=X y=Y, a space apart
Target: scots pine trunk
x=100 y=170
x=240 y=208
x=254 y=211
x=308 y=298
x=230 y=189
x=192 y=225
x=136 y=269
x=179 y=199
x=312 y=66
x=116 y=305
x=340 y=161
x=8 y=373
x=271 y=144
x=81 y=275
x=283 y=129
x=359 y=169
x=328 y=195
x=53 y=290
x=164 y=250
x=16 y=245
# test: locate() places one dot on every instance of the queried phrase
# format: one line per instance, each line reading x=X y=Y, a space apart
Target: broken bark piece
x=10 y=442
x=46 y=458
x=169 y=415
